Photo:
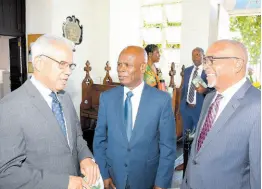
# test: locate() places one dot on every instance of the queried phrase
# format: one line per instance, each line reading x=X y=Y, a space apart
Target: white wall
x=125 y=18
x=94 y=16
x=4 y=53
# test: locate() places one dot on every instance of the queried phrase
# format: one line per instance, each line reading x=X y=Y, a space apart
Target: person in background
x=192 y=97
x=226 y=151
x=41 y=140
x=134 y=143
x=151 y=76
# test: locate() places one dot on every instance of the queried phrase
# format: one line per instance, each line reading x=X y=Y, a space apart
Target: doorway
x=18 y=70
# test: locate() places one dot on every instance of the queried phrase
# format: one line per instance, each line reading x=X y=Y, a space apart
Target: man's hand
x=201 y=89
x=90 y=170
x=77 y=183
x=109 y=183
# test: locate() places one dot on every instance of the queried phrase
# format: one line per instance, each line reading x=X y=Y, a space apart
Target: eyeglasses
x=62 y=64
x=209 y=60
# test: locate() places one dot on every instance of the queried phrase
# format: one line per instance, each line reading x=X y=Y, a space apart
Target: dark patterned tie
x=211 y=116
x=57 y=110
x=128 y=114
x=191 y=94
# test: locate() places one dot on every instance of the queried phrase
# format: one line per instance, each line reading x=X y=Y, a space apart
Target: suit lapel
x=39 y=102
x=203 y=115
x=225 y=115
x=141 y=115
x=68 y=121
x=119 y=101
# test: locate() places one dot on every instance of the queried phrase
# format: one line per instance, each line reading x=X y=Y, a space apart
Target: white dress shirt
x=45 y=92
x=135 y=100
x=199 y=73
x=227 y=95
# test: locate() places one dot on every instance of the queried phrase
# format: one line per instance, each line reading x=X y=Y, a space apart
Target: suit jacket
x=199 y=97
x=34 y=152
x=148 y=158
x=230 y=155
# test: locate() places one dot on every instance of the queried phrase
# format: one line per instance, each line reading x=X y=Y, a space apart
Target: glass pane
x=152 y=14
x=173 y=12
x=173 y=34
x=152 y=35
x=171 y=55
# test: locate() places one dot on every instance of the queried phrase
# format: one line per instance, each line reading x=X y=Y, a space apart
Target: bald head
x=231 y=48
x=131 y=66
x=228 y=65
x=136 y=52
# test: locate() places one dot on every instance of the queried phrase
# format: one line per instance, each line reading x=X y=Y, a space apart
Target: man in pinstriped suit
x=226 y=151
x=41 y=143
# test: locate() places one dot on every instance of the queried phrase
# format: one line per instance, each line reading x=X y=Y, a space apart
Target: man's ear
x=239 y=66
x=143 y=68
x=150 y=54
x=38 y=64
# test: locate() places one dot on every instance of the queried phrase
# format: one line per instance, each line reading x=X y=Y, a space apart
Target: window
x=161 y=25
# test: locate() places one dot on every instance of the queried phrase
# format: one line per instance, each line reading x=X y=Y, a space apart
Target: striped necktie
x=57 y=110
x=191 y=94
x=209 y=121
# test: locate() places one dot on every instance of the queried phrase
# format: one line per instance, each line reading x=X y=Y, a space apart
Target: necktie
x=211 y=115
x=57 y=110
x=191 y=94
x=128 y=114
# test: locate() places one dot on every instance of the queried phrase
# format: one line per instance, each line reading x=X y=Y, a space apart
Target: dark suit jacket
x=34 y=152
x=148 y=158
x=199 y=97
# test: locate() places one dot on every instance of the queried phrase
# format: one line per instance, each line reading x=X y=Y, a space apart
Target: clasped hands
x=91 y=172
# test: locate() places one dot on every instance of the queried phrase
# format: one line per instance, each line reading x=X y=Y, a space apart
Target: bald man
x=226 y=152
x=134 y=142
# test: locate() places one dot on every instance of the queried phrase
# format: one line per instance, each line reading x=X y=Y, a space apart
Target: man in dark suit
x=41 y=140
x=134 y=142
x=226 y=151
x=192 y=98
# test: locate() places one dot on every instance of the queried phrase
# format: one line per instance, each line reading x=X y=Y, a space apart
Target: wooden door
x=15 y=63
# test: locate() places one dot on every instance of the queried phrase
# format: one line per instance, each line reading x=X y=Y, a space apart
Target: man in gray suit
x=225 y=153
x=41 y=143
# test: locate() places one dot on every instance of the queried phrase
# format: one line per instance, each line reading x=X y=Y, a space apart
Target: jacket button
x=128 y=149
x=194 y=162
x=125 y=165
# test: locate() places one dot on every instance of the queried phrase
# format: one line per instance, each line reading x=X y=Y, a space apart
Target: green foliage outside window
x=250 y=30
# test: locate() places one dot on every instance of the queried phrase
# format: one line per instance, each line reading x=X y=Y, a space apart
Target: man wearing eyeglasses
x=41 y=143
x=226 y=151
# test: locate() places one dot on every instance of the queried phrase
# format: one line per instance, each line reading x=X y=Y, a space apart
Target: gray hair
x=45 y=45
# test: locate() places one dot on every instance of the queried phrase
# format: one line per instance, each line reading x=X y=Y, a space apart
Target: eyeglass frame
x=72 y=66
x=218 y=58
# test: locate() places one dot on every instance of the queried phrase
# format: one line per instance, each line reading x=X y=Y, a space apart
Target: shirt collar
x=199 y=67
x=45 y=92
x=228 y=93
x=136 y=91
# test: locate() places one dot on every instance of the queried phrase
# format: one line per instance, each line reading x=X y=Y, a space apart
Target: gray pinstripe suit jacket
x=230 y=157
x=34 y=153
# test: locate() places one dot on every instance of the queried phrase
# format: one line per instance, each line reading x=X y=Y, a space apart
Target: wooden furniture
x=90 y=101
x=176 y=98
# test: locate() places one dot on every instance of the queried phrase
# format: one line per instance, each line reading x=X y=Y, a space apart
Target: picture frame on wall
x=31 y=38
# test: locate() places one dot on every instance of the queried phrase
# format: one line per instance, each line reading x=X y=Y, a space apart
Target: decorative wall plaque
x=72 y=30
